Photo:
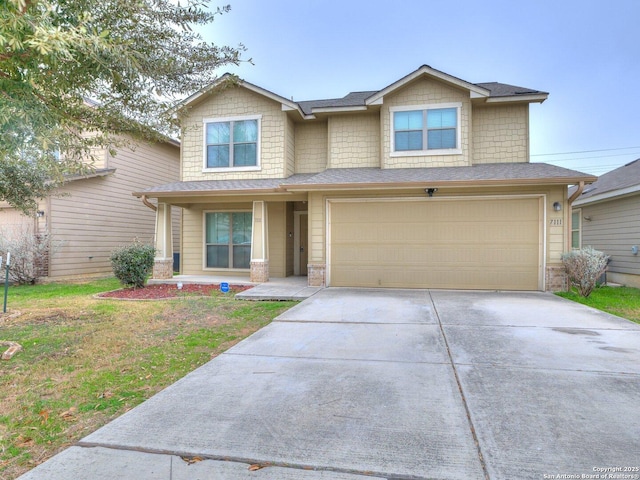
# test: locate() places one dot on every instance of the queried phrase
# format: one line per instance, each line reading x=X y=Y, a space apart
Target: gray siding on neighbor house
x=614 y=228
x=98 y=214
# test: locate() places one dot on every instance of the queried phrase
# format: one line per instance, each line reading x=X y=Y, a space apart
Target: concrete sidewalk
x=397 y=384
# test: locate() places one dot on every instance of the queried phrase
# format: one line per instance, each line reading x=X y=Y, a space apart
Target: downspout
x=155 y=209
x=575 y=195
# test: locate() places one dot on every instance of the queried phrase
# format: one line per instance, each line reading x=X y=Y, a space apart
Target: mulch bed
x=160 y=291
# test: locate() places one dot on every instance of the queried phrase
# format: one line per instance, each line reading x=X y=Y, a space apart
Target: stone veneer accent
x=316 y=275
x=556 y=279
x=163 y=269
x=259 y=271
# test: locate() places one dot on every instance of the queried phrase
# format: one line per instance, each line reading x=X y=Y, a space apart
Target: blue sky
x=586 y=54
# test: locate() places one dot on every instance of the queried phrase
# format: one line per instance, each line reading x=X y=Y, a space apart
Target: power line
x=590 y=158
x=583 y=151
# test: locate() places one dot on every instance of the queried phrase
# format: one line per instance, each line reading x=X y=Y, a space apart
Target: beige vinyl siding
x=311 y=147
x=236 y=102
x=354 y=141
x=290 y=147
x=614 y=228
x=500 y=134
x=95 y=215
x=479 y=243
x=427 y=92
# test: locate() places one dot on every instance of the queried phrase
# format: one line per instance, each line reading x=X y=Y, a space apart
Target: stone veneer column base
x=163 y=268
x=556 y=279
x=316 y=275
x=259 y=271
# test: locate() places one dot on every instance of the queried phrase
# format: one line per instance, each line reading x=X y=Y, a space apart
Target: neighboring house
x=606 y=216
x=423 y=184
x=91 y=215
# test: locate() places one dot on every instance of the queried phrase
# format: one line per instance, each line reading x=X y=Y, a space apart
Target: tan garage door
x=436 y=243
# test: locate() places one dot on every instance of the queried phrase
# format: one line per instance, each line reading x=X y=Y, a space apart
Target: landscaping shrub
x=584 y=267
x=133 y=263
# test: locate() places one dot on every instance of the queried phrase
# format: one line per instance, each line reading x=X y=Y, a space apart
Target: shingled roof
x=362 y=100
x=346 y=178
x=359 y=99
x=617 y=182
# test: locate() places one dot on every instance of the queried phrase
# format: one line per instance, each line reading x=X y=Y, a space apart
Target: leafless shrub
x=29 y=253
x=584 y=267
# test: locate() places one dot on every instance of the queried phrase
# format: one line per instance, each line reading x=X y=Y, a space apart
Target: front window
x=228 y=239
x=231 y=143
x=575 y=229
x=427 y=130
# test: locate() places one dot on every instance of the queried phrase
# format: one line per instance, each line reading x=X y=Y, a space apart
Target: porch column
x=259 y=245
x=163 y=263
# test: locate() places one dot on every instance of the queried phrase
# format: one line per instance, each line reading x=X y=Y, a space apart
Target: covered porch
x=234 y=231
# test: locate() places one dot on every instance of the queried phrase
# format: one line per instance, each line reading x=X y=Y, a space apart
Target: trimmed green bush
x=584 y=267
x=133 y=263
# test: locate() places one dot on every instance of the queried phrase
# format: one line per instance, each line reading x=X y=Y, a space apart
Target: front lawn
x=86 y=361
x=621 y=301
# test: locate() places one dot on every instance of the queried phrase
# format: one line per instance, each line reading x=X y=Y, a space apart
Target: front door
x=301 y=240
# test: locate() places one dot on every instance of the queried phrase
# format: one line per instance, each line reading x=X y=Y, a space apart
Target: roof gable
x=362 y=101
x=227 y=81
x=426 y=70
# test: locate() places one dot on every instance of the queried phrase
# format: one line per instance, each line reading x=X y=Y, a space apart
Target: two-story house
x=423 y=184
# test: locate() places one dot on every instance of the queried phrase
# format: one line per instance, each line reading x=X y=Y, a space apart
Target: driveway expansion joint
x=190 y=457
x=461 y=391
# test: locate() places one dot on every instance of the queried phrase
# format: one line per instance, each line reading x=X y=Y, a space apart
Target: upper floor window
x=232 y=143
x=426 y=130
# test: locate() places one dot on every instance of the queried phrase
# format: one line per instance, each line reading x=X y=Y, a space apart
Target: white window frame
x=426 y=152
x=577 y=211
x=204 y=239
x=251 y=168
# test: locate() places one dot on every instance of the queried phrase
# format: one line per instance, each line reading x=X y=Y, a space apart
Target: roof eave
x=439 y=183
x=610 y=195
x=530 y=98
x=199 y=193
x=358 y=108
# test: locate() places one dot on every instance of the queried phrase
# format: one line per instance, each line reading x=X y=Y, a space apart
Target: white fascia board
x=338 y=109
x=534 y=98
x=607 y=196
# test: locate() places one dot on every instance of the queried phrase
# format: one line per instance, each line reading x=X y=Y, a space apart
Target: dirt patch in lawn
x=164 y=291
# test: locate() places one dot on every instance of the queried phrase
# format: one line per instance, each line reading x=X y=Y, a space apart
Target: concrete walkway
x=396 y=384
x=278 y=289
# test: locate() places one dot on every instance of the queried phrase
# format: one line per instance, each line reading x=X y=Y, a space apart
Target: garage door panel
x=470 y=243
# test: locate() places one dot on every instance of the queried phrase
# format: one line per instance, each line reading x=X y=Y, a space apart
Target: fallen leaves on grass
x=160 y=291
x=69 y=415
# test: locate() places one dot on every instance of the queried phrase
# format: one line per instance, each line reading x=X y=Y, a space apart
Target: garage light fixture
x=430 y=191
x=557 y=206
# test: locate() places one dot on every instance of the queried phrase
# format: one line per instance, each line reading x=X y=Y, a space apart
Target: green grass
x=621 y=301
x=86 y=361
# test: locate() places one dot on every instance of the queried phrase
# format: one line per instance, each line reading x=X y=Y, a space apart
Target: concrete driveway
x=397 y=384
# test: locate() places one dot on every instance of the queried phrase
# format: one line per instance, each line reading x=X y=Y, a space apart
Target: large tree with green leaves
x=78 y=75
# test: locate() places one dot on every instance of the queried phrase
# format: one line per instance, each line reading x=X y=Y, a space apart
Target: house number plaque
x=556 y=222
